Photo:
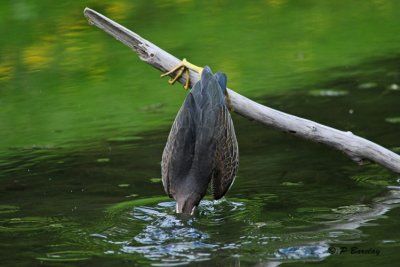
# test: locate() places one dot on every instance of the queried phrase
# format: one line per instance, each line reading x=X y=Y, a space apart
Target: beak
x=179 y=211
x=191 y=213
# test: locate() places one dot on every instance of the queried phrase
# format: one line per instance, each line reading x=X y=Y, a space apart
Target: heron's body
x=201 y=146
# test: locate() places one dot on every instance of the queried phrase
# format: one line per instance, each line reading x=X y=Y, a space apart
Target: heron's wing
x=226 y=155
x=178 y=152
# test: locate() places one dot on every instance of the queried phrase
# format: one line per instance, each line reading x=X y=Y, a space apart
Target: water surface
x=83 y=124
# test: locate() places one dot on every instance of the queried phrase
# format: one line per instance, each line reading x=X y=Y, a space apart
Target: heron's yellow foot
x=183 y=68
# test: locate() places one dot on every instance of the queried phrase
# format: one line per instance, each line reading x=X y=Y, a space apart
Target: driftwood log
x=357 y=148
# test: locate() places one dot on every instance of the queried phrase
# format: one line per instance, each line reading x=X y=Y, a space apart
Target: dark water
x=83 y=126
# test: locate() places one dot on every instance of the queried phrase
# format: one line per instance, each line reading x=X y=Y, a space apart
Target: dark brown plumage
x=201 y=146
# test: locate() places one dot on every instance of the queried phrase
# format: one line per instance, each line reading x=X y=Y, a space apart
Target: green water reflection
x=62 y=81
x=83 y=124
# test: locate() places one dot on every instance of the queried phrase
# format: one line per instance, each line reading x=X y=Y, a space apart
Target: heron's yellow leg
x=186 y=86
x=191 y=66
x=182 y=68
x=178 y=74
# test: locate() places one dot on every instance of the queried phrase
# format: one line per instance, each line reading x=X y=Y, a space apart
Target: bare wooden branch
x=357 y=148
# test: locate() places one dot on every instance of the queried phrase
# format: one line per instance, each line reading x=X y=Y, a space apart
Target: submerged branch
x=357 y=148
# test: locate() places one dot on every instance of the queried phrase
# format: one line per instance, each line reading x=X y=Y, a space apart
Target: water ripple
x=303 y=252
x=151 y=228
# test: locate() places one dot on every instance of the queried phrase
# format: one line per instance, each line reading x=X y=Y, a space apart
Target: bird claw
x=181 y=69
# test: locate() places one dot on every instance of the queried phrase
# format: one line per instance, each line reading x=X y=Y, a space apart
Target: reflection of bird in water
x=202 y=145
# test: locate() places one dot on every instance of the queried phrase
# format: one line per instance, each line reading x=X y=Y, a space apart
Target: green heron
x=201 y=146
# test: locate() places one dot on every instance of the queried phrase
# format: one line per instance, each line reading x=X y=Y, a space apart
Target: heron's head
x=187 y=203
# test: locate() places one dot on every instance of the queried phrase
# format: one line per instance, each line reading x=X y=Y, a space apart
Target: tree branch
x=357 y=148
